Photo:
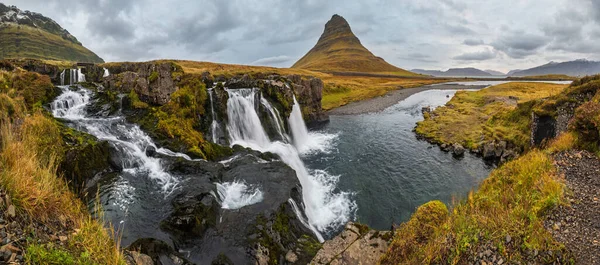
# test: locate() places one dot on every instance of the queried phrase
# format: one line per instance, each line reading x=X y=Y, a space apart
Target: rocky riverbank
x=576 y=224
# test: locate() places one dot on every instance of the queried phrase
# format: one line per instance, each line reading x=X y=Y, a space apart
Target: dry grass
x=501 y=112
x=565 y=141
x=511 y=201
x=338 y=91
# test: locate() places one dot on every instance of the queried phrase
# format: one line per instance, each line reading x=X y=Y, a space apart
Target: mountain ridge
x=579 y=67
x=26 y=34
x=453 y=72
x=339 y=50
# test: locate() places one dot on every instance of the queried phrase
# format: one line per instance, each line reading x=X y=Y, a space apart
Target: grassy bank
x=501 y=112
x=506 y=213
x=32 y=147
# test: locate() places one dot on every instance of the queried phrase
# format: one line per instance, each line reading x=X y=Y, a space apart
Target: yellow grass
x=473 y=117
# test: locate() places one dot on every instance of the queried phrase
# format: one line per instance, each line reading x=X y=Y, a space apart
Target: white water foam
x=237 y=194
x=127 y=138
x=325 y=208
x=80 y=76
x=308 y=142
x=106 y=73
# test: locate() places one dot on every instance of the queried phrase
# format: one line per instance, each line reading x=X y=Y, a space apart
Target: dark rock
x=489 y=151
x=542 y=128
x=159 y=251
x=458 y=150
x=150 y=151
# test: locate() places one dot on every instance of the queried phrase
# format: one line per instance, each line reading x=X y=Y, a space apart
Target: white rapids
x=235 y=195
x=325 y=207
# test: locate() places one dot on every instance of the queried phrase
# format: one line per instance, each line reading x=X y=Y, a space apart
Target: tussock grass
x=501 y=112
x=511 y=201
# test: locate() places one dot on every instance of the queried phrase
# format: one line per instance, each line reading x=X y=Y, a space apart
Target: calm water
x=379 y=158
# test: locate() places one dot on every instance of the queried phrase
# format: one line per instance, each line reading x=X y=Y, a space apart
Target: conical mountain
x=25 y=34
x=339 y=50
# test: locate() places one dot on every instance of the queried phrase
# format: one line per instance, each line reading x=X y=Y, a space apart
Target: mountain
x=25 y=34
x=339 y=50
x=494 y=72
x=454 y=72
x=512 y=72
x=579 y=67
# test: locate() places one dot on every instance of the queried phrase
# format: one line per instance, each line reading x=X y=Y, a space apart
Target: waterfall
x=214 y=127
x=106 y=73
x=72 y=76
x=235 y=195
x=324 y=207
x=129 y=139
x=297 y=126
x=80 y=76
x=62 y=77
x=274 y=114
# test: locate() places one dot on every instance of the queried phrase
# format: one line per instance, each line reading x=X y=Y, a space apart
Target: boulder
x=489 y=151
x=458 y=150
x=355 y=245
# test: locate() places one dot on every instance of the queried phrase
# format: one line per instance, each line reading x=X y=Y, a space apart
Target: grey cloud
x=459 y=29
x=476 y=56
x=473 y=42
x=275 y=60
x=520 y=44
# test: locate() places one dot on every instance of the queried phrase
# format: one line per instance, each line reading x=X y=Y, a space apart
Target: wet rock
x=426 y=109
x=489 y=151
x=458 y=150
x=150 y=151
x=136 y=258
x=159 y=251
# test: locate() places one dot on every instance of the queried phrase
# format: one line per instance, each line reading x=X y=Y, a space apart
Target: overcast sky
x=433 y=34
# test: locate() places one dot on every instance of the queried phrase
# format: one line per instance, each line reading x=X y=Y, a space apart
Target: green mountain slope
x=339 y=50
x=25 y=34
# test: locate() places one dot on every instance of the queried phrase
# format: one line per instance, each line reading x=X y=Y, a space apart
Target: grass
x=339 y=90
x=501 y=112
x=511 y=201
x=29 y=156
x=545 y=77
x=27 y=42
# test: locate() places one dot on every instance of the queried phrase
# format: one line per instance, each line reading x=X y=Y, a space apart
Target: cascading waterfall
x=304 y=141
x=325 y=208
x=62 y=77
x=80 y=76
x=214 y=127
x=106 y=73
x=274 y=113
x=72 y=76
x=129 y=139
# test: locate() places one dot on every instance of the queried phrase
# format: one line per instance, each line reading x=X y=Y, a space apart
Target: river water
x=390 y=171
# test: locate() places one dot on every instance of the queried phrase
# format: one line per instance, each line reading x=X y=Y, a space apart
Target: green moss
x=309 y=245
x=135 y=101
x=54 y=255
x=153 y=77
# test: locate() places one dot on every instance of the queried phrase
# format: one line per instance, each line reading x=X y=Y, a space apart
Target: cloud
x=275 y=60
x=519 y=44
x=473 y=42
x=476 y=56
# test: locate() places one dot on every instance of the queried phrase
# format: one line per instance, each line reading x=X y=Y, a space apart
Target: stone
x=11 y=211
x=458 y=150
x=489 y=151
x=150 y=151
x=141 y=259
x=508 y=239
x=63 y=238
x=291 y=257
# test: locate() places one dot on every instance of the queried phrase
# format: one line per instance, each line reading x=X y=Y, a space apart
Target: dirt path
x=578 y=225
x=391 y=98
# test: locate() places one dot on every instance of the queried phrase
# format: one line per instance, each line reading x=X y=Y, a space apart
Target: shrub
x=586 y=123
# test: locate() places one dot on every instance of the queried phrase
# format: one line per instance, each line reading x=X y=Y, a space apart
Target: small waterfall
x=274 y=114
x=106 y=73
x=297 y=126
x=80 y=76
x=129 y=139
x=235 y=195
x=62 y=77
x=72 y=76
x=214 y=127
x=325 y=207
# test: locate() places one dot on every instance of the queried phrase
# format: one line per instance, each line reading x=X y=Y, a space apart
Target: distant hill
x=571 y=68
x=454 y=72
x=512 y=72
x=494 y=72
x=25 y=34
x=339 y=50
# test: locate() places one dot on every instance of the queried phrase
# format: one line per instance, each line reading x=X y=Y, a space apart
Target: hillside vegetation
x=32 y=147
x=339 y=50
x=500 y=113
